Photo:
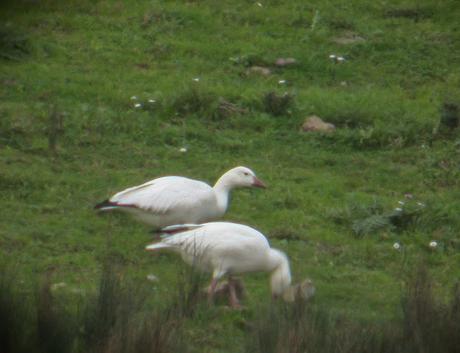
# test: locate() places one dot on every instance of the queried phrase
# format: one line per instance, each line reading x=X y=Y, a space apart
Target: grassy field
x=71 y=135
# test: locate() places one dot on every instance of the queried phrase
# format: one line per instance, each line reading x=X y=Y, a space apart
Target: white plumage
x=227 y=249
x=176 y=200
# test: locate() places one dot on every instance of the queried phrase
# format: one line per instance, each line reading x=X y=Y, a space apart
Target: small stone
x=349 y=37
x=315 y=123
x=152 y=278
x=433 y=244
x=260 y=70
x=281 y=62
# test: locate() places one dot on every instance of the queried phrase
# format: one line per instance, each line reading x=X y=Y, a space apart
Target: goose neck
x=281 y=273
x=222 y=190
x=224 y=184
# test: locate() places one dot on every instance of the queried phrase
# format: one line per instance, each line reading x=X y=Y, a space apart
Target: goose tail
x=157 y=246
x=105 y=205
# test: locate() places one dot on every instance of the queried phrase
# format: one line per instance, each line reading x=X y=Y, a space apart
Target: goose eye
x=246 y=173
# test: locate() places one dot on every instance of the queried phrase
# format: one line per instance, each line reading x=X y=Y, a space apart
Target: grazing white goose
x=175 y=200
x=225 y=249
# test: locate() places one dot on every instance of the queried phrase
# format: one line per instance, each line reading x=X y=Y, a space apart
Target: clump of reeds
x=428 y=324
x=117 y=318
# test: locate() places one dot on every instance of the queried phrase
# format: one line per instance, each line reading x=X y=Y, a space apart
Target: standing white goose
x=225 y=249
x=175 y=200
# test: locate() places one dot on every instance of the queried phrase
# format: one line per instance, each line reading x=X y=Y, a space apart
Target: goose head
x=281 y=286
x=240 y=177
x=302 y=291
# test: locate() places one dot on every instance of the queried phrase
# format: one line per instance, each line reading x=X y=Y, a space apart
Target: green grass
x=70 y=136
x=120 y=317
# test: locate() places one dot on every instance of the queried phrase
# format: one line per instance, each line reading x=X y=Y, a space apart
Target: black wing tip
x=156 y=231
x=185 y=228
x=160 y=232
x=105 y=203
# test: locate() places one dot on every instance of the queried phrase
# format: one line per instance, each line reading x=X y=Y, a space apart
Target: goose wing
x=164 y=195
x=214 y=239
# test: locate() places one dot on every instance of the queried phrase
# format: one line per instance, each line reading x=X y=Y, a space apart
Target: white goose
x=225 y=249
x=175 y=200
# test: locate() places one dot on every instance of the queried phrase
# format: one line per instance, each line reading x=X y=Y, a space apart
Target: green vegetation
x=118 y=318
x=70 y=135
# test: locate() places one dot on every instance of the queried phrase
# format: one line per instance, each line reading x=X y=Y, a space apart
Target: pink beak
x=258 y=183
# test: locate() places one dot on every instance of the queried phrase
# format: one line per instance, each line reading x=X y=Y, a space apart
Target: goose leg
x=211 y=290
x=234 y=302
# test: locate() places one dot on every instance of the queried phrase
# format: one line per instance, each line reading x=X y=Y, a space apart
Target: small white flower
x=196 y=79
x=152 y=278
x=259 y=4
x=56 y=286
x=398 y=209
x=332 y=56
x=421 y=204
x=433 y=244
x=152 y=100
x=396 y=246
x=401 y=202
x=340 y=59
x=133 y=98
x=282 y=82
x=183 y=150
x=137 y=105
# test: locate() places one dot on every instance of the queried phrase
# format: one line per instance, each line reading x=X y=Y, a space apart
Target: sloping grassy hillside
x=97 y=96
